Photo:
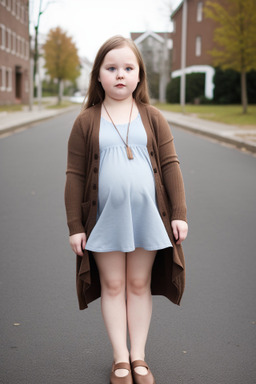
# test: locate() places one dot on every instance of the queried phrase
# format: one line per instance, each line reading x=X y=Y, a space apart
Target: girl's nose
x=120 y=74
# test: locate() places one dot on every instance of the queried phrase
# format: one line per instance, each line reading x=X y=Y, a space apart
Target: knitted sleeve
x=172 y=176
x=75 y=179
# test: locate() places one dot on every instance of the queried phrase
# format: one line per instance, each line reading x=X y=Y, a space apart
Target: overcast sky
x=91 y=22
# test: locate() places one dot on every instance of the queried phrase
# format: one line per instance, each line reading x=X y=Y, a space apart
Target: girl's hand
x=77 y=243
x=180 y=230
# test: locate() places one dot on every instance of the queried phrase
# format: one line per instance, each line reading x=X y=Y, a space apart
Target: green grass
x=11 y=108
x=229 y=114
x=64 y=104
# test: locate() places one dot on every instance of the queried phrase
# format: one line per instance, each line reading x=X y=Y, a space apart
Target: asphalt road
x=45 y=339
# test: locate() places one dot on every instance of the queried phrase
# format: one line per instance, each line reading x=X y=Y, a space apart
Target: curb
x=239 y=143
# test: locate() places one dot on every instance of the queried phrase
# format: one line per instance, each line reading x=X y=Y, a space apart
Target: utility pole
x=36 y=75
x=36 y=54
x=183 y=55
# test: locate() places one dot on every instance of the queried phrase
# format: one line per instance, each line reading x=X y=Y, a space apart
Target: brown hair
x=96 y=93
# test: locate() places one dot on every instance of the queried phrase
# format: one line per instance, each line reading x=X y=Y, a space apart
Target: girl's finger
x=175 y=233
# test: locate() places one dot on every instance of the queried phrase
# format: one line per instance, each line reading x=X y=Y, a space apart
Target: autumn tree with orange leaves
x=61 y=57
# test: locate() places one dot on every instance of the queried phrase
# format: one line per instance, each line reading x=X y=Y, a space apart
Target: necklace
x=128 y=149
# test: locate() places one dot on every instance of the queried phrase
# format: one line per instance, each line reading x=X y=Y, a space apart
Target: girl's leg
x=139 y=301
x=112 y=267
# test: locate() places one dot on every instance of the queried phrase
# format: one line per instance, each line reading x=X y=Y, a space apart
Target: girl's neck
x=119 y=110
x=112 y=103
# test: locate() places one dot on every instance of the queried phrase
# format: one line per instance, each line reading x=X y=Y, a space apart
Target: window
x=27 y=51
x=22 y=14
x=8 y=79
x=3 y=78
x=198 y=46
x=0 y=78
x=2 y=36
x=3 y=2
x=199 y=16
x=9 y=5
x=18 y=10
x=13 y=7
x=22 y=47
x=8 y=40
x=13 y=43
x=17 y=45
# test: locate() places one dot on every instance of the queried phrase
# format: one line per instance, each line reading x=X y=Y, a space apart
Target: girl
x=125 y=205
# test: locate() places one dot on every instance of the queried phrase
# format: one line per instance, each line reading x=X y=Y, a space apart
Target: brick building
x=14 y=52
x=199 y=41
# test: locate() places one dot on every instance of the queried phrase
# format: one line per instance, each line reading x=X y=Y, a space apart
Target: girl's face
x=119 y=73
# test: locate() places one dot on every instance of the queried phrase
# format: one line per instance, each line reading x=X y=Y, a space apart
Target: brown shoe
x=142 y=379
x=121 y=380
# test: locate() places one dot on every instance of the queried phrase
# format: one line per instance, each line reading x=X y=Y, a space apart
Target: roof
x=177 y=9
x=138 y=37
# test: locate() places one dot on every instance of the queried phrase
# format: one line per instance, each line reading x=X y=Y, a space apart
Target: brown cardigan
x=81 y=196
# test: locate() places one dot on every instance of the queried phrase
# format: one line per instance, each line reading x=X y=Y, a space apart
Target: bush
x=49 y=88
x=195 y=83
x=251 y=87
x=173 y=91
x=228 y=87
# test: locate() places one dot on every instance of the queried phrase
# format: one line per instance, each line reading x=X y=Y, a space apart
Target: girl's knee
x=113 y=287
x=138 y=286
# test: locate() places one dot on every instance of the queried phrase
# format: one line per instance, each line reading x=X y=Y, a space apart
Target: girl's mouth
x=120 y=85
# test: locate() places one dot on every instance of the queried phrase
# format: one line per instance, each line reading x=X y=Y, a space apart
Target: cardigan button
x=155 y=170
x=152 y=153
x=164 y=213
x=94 y=187
x=93 y=202
x=95 y=170
x=96 y=156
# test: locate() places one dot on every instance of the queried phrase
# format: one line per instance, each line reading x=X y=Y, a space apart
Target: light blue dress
x=127 y=216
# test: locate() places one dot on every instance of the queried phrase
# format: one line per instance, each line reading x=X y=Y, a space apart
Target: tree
x=61 y=57
x=36 y=27
x=235 y=37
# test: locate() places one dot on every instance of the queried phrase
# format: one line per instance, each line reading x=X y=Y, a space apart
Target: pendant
x=129 y=152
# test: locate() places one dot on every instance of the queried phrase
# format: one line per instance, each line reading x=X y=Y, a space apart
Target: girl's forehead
x=122 y=54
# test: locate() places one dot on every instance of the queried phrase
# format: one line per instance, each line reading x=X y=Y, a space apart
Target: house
x=14 y=52
x=155 y=48
x=198 y=41
x=82 y=81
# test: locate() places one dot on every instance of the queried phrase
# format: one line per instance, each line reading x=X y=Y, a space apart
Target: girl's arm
x=172 y=179
x=75 y=179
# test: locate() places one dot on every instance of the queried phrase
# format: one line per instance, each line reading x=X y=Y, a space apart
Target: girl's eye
x=111 y=69
x=128 y=69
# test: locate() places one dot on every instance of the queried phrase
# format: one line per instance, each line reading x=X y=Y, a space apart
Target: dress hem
x=158 y=248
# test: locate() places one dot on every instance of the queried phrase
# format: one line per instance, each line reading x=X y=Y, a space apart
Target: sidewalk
x=10 y=121
x=234 y=135
x=244 y=138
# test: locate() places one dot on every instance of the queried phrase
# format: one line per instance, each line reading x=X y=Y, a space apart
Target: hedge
x=194 y=88
x=227 y=88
